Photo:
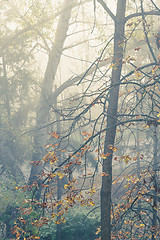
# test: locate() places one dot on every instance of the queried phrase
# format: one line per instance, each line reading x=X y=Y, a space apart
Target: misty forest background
x=79 y=119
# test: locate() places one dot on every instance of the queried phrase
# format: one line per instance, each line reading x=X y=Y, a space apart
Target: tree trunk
x=112 y=121
x=155 y=187
x=138 y=163
x=59 y=181
x=40 y=137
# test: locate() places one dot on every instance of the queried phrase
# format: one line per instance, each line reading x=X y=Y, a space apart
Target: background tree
x=112 y=93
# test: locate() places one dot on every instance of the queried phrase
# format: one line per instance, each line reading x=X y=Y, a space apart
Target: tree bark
x=112 y=121
x=155 y=185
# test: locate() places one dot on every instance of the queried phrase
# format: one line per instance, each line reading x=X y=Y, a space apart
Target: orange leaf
x=104 y=174
x=54 y=134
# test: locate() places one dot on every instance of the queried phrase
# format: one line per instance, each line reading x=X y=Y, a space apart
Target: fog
x=80 y=115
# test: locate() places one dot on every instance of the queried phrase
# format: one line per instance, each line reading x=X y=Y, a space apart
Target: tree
x=112 y=98
x=46 y=92
x=112 y=120
x=94 y=115
x=120 y=22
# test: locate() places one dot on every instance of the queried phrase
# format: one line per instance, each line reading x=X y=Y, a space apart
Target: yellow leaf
x=126 y=158
x=57 y=222
x=65 y=186
x=111 y=66
x=63 y=220
x=92 y=191
x=60 y=175
x=138 y=74
x=91 y=202
x=98 y=230
x=142 y=225
x=53 y=215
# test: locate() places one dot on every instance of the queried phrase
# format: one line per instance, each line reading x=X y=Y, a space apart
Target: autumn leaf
x=104 y=156
x=55 y=135
x=137 y=48
x=53 y=215
x=63 y=220
x=90 y=201
x=83 y=202
x=114 y=149
x=111 y=66
x=53 y=160
x=36 y=163
x=66 y=186
x=57 y=222
x=92 y=191
x=126 y=158
x=98 y=230
x=138 y=74
x=43 y=185
x=104 y=174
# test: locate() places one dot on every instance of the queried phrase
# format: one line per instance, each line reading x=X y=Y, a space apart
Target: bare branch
x=9 y=39
x=74 y=80
x=107 y=9
x=140 y=14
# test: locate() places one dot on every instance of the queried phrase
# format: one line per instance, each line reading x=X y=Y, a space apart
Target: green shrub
x=78 y=226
